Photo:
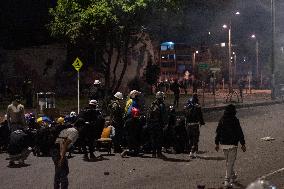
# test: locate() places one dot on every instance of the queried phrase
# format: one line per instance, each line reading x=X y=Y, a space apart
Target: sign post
x=77 y=65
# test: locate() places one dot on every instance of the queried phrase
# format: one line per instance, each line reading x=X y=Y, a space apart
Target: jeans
x=193 y=133
x=230 y=156
x=61 y=173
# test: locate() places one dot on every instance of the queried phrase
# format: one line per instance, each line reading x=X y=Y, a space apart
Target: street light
x=235 y=64
x=253 y=36
x=230 y=51
x=193 y=62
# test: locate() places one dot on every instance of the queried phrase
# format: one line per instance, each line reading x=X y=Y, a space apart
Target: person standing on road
x=16 y=114
x=228 y=134
x=116 y=118
x=64 y=141
x=194 y=118
x=156 y=121
x=175 y=87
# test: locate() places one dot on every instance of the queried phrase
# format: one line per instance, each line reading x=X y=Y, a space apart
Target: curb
x=240 y=105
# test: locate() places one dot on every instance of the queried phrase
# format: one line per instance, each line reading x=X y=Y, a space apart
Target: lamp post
x=253 y=36
x=193 y=62
x=230 y=51
x=229 y=55
x=235 y=65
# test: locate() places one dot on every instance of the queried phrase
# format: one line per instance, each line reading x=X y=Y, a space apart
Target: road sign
x=215 y=69
x=203 y=66
x=77 y=64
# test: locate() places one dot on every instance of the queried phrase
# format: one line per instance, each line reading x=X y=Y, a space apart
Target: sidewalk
x=208 y=103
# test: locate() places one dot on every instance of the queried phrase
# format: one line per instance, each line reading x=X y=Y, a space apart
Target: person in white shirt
x=64 y=141
x=16 y=114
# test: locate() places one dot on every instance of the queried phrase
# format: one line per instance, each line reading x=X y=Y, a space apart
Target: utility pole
x=272 y=49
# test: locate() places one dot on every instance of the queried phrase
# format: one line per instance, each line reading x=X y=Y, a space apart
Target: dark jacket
x=229 y=131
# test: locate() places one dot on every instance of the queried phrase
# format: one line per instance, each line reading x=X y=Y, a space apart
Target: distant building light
x=223 y=44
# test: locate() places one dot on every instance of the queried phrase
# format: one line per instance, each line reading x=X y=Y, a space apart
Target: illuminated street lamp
x=230 y=52
x=193 y=62
x=253 y=36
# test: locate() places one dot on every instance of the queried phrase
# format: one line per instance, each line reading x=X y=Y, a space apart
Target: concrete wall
x=40 y=64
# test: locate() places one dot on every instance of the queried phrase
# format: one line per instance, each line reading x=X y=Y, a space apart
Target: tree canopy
x=107 y=26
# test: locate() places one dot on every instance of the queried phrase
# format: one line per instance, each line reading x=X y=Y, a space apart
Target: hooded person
x=194 y=119
x=228 y=134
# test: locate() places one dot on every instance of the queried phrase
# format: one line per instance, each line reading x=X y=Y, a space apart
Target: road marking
x=272 y=173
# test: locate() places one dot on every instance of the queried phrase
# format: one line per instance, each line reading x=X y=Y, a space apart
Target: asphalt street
x=175 y=171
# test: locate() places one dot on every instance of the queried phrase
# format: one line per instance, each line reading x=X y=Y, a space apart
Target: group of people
x=132 y=132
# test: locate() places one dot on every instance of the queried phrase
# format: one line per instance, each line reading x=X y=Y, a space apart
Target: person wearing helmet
x=96 y=91
x=156 y=120
x=133 y=130
x=132 y=102
x=94 y=126
x=194 y=119
x=116 y=117
x=228 y=134
x=60 y=121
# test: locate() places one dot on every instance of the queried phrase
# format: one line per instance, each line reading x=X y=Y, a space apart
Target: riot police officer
x=156 y=121
x=194 y=118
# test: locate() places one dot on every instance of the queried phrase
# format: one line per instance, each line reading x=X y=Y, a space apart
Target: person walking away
x=194 y=84
x=194 y=119
x=228 y=134
x=156 y=121
x=241 y=87
x=116 y=117
x=175 y=87
x=16 y=114
x=133 y=129
x=64 y=141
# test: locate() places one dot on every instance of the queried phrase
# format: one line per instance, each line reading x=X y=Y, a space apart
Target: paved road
x=177 y=171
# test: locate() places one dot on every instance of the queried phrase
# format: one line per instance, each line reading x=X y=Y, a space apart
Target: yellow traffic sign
x=77 y=64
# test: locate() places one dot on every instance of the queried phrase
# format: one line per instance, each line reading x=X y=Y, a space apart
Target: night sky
x=23 y=23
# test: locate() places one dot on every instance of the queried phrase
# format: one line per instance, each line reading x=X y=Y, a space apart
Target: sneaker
x=192 y=155
x=123 y=154
x=234 y=178
x=227 y=184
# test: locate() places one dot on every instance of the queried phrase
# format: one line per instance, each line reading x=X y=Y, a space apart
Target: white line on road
x=272 y=173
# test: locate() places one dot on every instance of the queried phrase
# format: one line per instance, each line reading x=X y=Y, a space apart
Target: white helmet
x=119 y=95
x=93 y=102
x=73 y=114
x=160 y=95
x=133 y=93
x=261 y=184
x=97 y=82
